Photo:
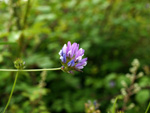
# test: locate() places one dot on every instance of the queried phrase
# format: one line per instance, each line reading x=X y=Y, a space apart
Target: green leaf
x=142 y=96
x=7 y=43
x=144 y=81
x=46 y=17
x=14 y=36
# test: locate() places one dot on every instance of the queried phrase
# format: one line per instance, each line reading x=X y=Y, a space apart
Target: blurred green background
x=112 y=32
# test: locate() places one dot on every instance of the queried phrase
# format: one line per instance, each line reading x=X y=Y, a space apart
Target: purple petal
x=61 y=57
x=80 y=52
x=64 y=58
x=61 y=53
x=76 y=50
x=78 y=58
x=64 y=48
x=80 y=67
x=81 y=64
x=69 y=53
x=74 y=46
x=71 y=63
x=84 y=60
x=68 y=47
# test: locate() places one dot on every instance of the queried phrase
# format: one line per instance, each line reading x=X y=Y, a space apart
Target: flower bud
x=19 y=64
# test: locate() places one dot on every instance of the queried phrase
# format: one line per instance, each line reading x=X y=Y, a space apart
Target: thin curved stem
x=147 y=108
x=51 y=69
x=11 y=91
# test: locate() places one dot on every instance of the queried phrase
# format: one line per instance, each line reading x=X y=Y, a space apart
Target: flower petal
x=64 y=58
x=80 y=52
x=71 y=63
x=68 y=47
x=64 y=48
x=60 y=53
x=73 y=47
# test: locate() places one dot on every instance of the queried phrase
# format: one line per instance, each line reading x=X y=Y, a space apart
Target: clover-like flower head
x=19 y=64
x=71 y=57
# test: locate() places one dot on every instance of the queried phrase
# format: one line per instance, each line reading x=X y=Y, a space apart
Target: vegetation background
x=112 y=32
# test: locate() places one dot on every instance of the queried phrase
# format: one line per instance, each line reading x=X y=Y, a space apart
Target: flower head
x=19 y=64
x=71 y=57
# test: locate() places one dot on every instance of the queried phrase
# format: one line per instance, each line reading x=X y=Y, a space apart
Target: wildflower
x=92 y=107
x=71 y=57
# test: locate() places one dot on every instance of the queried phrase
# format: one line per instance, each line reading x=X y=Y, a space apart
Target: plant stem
x=26 y=14
x=51 y=69
x=114 y=106
x=17 y=77
x=11 y=91
x=147 y=108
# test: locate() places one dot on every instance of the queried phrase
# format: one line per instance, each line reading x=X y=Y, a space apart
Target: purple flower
x=71 y=57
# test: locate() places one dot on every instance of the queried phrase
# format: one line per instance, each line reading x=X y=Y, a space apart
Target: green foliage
x=142 y=96
x=112 y=33
x=147 y=109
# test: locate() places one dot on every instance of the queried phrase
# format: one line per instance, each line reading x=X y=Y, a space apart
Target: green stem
x=26 y=14
x=11 y=91
x=17 y=77
x=147 y=108
x=51 y=69
x=114 y=106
